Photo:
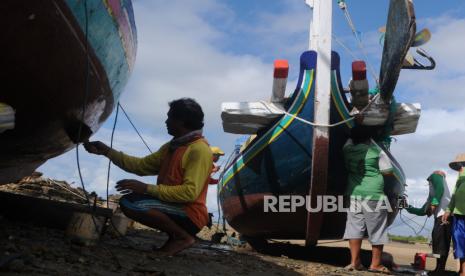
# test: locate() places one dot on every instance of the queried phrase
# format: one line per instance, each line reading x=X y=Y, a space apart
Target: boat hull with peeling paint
x=59 y=56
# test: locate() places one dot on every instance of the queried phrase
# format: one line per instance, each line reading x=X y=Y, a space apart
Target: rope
x=318 y=125
x=423 y=227
x=86 y=94
x=417 y=233
x=303 y=120
x=345 y=47
x=218 y=189
x=111 y=147
x=131 y=243
x=345 y=10
x=129 y=119
x=322 y=125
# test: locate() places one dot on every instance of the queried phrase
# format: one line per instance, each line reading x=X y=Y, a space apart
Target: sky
x=223 y=51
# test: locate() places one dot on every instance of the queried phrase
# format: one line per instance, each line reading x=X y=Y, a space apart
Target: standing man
x=366 y=165
x=456 y=209
x=217 y=153
x=177 y=204
x=436 y=204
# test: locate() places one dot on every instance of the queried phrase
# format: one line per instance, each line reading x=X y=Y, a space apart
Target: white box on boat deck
x=242 y=128
x=249 y=117
x=405 y=120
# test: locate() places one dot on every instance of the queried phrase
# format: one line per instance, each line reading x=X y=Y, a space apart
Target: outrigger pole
x=320 y=41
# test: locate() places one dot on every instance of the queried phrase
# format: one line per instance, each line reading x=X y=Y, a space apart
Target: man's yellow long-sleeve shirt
x=196 y=165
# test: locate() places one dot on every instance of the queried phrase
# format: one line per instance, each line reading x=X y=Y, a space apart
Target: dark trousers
x=441 y=237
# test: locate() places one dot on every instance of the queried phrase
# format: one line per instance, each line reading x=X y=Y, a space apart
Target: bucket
x=82 y=229
x=120 y=223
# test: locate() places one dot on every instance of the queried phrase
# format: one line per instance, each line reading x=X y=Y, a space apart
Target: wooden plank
x=44 y=212
x=400 y=34
x=320 y=41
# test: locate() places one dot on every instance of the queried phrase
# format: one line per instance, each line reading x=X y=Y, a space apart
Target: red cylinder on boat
x=419 y=262
x=281 y=70
x=359 y=70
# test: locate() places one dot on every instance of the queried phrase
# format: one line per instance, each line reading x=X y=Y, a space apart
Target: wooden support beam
x=44 y=212
x=320 y=41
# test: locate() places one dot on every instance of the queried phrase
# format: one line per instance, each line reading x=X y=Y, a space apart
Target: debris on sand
x=46 y=188
x=27 y=248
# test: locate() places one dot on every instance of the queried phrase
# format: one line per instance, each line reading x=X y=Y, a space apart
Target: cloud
x=441 y=88
x=420 y=154
x=177 y=58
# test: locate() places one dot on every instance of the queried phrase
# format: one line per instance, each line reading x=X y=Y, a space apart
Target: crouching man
x=177 y=204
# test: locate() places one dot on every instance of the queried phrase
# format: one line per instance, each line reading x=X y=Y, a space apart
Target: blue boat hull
x=278 y=162
x=58 y=60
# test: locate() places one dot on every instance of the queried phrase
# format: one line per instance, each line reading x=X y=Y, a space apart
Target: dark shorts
x=458 y=236
x=143 y=203
x=441 y=237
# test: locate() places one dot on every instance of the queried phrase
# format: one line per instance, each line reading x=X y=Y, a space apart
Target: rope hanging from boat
x=343 y=5
x=417 y=233
x=318 y=125
x=345 y=47
x=86 y=94
x=134 y=127
x=109 y=161
x=84 y=104
x=324 y=125
x=231 y=156
x=111 y=142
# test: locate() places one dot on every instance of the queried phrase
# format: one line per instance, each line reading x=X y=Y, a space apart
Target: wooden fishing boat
x=292 y=157
x=66 y=63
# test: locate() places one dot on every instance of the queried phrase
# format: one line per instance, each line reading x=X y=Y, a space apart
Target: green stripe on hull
x=276 y=131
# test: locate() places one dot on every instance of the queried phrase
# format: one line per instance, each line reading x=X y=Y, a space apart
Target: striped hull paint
x=278 y=162
x=51 y=70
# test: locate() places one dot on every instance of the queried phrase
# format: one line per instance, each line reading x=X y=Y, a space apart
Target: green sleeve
x=148 y=165
x=418 y=211
x=438 y=186
x=451 y=206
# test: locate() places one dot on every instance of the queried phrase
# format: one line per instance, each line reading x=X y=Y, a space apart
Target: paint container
x=120 y=223
x=82 y=229
x=419 y=262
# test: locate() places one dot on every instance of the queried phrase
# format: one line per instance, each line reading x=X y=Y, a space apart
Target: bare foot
x=176 y=245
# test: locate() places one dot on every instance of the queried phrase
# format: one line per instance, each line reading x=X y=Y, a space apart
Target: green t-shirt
x=457 y=202
x=366 y=164
x=437 y=183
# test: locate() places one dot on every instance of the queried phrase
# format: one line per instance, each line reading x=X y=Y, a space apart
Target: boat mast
x=320 y=41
